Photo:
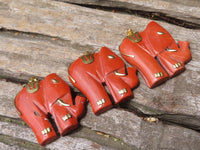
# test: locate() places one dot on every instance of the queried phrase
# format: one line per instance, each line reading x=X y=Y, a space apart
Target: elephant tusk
x=119 y=74
x=171 y=50
x=127 y=55
x=63 y=103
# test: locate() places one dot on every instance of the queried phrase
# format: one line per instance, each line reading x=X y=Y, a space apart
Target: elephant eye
x=111 y=56
x=54 y=81
x=160 y=33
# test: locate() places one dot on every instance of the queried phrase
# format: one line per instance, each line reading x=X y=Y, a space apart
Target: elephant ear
x=156 y=38
x=55 y=88
x=110 y=62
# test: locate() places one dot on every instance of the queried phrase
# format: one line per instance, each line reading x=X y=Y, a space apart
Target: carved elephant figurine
x=91 y=73
x=155 y=53
x=49 y=97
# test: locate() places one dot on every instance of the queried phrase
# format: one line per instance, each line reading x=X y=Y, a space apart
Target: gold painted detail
x=122 y=91
x=74 y=81
x=45 y=131
x=54 y=80
x=171 y=50
x=88 y=58
x=177 y=65
x=111 y=56
x=160 y=33
x=159 y=74
x=119 y=74
x=127 y=55
x=133 y=36
x=101 y=101
x=66 y=117
x=60 y=101
x=33 y=85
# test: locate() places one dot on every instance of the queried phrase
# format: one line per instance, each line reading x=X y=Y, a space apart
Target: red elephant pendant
x=52 y=96
x=155 y=53
x=91 y=72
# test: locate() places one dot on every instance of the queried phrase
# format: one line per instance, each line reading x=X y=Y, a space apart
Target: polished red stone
x=156 y=55
x=91 y=72
x=53 y=97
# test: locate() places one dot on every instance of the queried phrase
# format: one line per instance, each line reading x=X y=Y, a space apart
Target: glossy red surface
x=34 y=108
x=157 y=52
x=106 y=69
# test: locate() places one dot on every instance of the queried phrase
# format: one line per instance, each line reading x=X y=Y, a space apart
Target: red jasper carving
x=49 y=96
x=155 y=53
x=90 y=72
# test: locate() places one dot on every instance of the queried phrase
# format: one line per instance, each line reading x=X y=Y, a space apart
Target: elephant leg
x=147 y=66
x=118 y=88
x=38 y=122
x=169 y=62
x=65 y=120
x=95 y=93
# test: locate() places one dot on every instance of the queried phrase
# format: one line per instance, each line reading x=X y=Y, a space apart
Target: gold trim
x=66 y=117
x=90 y=58
x=159 y=74
x=119 y=74
x=129 y=32
x=33 y=85
x=74 y=81
x=160 y=33
x=171 y=50
x=45 y=131
x=60 y=101
x=122 y=91
x=177 y=65
x=127 y=55
x=111 y=56
x=133 y=36
x=101 y=101
x=54 y=80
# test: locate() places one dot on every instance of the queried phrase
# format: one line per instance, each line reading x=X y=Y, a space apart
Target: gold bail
x=88 y=57
x=32 y=79
x=129 y=32
x=33 y=85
